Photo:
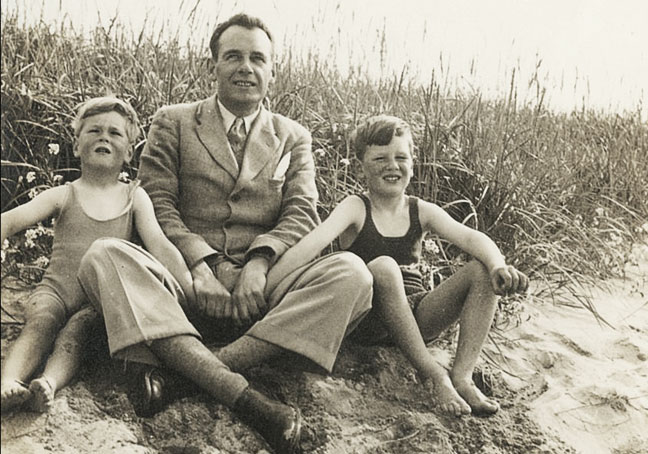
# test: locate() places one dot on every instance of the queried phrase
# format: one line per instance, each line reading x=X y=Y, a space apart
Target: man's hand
x=248 y=299
x=507 y=280
x=212 y=298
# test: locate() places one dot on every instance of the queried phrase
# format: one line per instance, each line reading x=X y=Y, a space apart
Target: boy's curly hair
x=103 y=104
x=379 y=130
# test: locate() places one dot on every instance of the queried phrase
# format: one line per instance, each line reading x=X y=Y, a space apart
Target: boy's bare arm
x=505 y=278
x=159 y=245
x=43 y=206
x=347 y=213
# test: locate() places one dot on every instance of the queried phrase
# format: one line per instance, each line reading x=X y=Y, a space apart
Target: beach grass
x=563 y=194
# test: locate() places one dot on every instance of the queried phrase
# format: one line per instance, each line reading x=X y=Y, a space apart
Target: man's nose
x=245 y=66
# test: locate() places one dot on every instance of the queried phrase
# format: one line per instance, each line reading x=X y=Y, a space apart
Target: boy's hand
x=507 y=280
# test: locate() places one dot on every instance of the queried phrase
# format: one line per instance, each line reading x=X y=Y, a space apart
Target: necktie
x=236 y=137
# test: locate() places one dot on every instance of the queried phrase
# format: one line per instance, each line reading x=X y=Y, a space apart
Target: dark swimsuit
x=406 y=250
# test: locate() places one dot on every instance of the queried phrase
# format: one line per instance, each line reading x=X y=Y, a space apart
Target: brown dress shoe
x=279 y=424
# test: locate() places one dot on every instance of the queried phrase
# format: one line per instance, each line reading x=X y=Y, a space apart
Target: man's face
x=243 y=69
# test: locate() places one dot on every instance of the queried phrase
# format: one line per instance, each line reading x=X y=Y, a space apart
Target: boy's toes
x=455 y=409
x=479 y=403
x=43 y=394
x=485 y=408
x=13 y=394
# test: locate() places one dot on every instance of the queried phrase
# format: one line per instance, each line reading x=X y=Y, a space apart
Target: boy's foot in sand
x=13 y=394
x=446 y=397
x=479 y=403
x=42 y=394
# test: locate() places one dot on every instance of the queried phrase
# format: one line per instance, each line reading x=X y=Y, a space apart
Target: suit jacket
x=202 y=201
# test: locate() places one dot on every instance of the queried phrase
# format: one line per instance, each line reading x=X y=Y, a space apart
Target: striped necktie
x=236 y=137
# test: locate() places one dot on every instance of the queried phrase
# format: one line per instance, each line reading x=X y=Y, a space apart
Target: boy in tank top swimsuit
x=97 y=205
x=385 y=227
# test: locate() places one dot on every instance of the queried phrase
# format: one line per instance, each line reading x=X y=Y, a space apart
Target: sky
x=590 y=52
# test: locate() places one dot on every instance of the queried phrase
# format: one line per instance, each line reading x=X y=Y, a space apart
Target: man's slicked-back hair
x=379 y=130
x=242 y=20
x=103 y=104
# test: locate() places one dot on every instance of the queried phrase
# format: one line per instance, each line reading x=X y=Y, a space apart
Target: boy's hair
x=379 y=130
x=105 y=104
x=242 y=20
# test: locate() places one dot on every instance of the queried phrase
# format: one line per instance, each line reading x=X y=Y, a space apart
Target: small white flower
x=345 y=162
x=123 y=176
x=431 y=246
x=33 y=193
x=57 y=179
x=53 y=148
x=31 y=176
x=2 y=256
x=599 y=211
x=5 y=244
x=319 y=152
x=41 y=262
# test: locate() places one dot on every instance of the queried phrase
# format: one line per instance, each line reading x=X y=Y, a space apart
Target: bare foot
x=13 y=394
x=446 y=396
x=43 y=394
x=479 y=403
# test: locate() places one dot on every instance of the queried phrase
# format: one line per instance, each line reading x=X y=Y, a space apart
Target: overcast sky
x=592 y=49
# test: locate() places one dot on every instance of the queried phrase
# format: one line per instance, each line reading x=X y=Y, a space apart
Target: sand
x=567 y=385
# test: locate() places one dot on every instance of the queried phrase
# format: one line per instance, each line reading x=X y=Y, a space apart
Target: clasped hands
x=236 y=293
x=507 y=280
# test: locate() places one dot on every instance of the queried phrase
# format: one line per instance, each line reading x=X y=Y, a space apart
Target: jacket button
x=235 y=197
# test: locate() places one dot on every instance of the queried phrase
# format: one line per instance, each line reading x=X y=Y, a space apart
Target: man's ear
x=75 y=149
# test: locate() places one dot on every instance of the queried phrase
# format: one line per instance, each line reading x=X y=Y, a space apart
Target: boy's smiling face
x=388 y=168
x=103 y=141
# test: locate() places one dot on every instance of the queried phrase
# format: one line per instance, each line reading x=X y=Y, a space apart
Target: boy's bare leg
x=392 y=307
x=468 y=296
x=24 y=357
x=65 y=359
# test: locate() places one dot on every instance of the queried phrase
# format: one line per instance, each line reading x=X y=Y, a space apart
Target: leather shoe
x=151 y=389
x=279 y=424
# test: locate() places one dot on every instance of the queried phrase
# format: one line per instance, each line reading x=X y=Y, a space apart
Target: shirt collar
x=229 y=117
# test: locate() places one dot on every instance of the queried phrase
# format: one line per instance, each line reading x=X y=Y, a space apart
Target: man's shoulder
x=283 y=124
x=181 y=108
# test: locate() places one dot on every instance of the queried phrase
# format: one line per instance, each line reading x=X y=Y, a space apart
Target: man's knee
x=99 y=251
x=351 y=269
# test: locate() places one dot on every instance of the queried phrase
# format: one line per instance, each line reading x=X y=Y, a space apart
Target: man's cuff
x=265 y=252
x=214 y=260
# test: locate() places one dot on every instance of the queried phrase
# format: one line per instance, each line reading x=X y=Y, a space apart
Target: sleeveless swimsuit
x=59 y=292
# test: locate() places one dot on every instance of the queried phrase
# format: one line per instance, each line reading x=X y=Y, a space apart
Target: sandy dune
x=572 y=386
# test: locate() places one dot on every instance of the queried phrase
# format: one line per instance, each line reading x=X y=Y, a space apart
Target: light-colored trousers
x=310 y=313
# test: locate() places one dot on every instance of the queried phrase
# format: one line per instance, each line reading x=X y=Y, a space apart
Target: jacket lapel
x=210 y=131
x=260 y=147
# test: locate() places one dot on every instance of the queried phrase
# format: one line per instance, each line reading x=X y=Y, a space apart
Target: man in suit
x=233 y=186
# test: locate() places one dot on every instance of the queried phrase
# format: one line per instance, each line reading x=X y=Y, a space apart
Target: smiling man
x=233 y=186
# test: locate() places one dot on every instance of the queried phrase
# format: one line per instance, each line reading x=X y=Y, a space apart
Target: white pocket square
x=282 y=167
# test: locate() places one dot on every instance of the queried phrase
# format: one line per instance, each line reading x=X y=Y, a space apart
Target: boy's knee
x=478 y=273
x=384 y=267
